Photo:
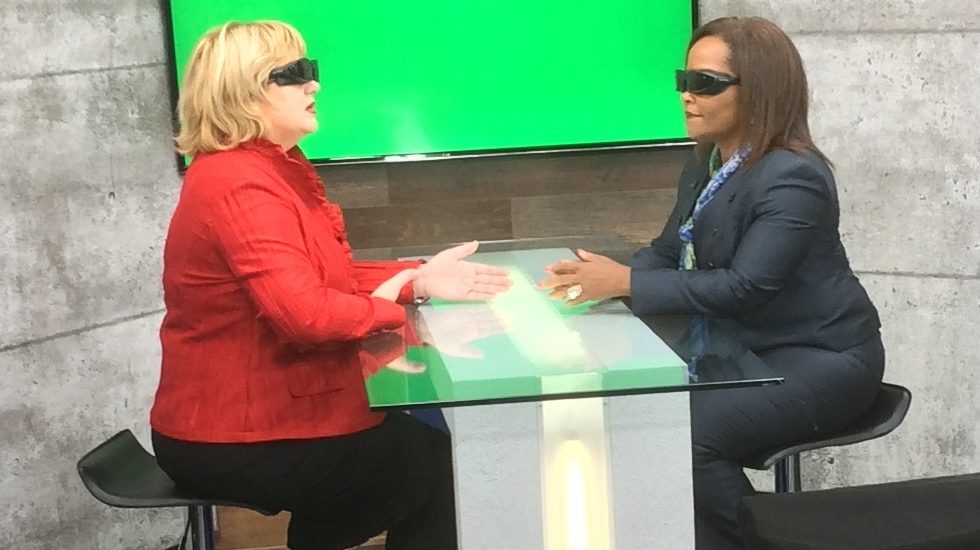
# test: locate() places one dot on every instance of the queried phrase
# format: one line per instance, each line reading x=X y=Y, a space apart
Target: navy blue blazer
x=772 y=270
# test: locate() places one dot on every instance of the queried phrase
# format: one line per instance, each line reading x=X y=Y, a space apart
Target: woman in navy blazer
x=752 y=251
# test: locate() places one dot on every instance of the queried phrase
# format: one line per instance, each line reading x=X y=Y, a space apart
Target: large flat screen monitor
x=424 y=78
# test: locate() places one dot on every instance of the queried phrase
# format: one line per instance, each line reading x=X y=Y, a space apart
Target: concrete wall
x=894 y=86
x=87 y=183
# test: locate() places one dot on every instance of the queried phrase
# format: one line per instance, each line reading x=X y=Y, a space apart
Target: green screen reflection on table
x=523 y=346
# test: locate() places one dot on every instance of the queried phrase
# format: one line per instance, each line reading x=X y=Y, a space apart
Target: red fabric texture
x=265 y=305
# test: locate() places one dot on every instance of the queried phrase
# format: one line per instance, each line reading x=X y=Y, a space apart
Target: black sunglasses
x=301 y=71
x=704 y=82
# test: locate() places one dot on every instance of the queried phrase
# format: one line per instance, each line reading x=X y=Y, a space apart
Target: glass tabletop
x=523 y=346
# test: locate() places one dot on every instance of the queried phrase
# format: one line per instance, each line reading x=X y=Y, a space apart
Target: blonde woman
x=261 y=397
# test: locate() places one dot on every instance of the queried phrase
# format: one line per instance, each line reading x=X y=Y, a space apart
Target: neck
x=727 y=148
x=286 y=142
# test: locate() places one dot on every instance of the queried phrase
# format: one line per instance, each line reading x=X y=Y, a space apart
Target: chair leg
x=202 y=535
x=788 y=475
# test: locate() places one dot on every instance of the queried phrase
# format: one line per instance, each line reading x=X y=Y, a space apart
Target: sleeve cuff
x=407 y=294
x=387 y=315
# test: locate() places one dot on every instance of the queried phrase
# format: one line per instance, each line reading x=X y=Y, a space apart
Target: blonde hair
x=225 y=83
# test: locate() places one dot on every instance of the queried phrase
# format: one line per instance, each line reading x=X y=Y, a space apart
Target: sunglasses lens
x=313 y=69
x=680 y=79
x=303 y=70
x=300 y=71
x=701 y=83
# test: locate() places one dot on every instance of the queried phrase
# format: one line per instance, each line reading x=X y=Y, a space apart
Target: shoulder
x=789 y=163
x=219 y=173
x=781 y=167
x=228 y=166
x=216 y=183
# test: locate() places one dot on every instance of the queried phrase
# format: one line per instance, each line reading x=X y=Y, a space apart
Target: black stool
x=120 y=473
x=885 y=414
x=924 y=514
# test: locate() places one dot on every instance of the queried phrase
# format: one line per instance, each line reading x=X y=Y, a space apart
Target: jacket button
x=714 y=232
x=731 y=198
x=711 y=265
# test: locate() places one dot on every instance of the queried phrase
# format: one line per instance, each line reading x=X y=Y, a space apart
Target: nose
x=312 y=87
x=687 y=98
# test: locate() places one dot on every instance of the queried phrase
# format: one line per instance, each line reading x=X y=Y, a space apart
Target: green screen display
x=403 y=77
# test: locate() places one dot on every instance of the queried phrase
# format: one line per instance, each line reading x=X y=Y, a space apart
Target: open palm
x=449 y=277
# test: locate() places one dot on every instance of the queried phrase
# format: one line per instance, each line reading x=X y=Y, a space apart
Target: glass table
x=557 y=440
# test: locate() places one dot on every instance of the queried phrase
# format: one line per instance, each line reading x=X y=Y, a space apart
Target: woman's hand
x=449 y=277
x=592 y=277
x=390 y=289
x=460 y=328
x=386 y=349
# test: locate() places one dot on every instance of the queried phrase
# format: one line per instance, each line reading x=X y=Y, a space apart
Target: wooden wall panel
x=623 y=192
x=429 y=223
x=637 y=216
x=356 y=186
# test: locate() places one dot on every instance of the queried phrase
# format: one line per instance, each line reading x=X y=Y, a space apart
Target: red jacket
x=265 y=305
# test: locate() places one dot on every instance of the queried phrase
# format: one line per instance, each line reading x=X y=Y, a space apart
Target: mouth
x=691 y=115
x=311 y=108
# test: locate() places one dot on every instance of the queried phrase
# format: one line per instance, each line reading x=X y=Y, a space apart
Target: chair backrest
x=886 y=413
x=120 y=473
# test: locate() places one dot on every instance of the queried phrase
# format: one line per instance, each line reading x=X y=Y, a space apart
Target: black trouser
x=824 y=391
x=341 y=491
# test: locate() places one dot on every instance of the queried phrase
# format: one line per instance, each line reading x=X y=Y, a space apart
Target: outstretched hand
x=450 y=277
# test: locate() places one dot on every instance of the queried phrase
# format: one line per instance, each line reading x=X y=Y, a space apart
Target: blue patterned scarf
x=688 y=259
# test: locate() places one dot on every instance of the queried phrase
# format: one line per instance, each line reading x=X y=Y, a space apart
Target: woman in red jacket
x=261 y=397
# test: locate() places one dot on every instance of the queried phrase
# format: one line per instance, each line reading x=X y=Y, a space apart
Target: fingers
x=564 y=267
x=463 y=351
x=588 y=256
x=483 y=269
x=461 y=251
x=563 y=280
x=404 y=365
x=491 y=274
x=481 y=293
x=559 y=293
x=489 y=287
x=495 y=281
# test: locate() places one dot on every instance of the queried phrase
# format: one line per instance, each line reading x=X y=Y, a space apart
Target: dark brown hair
x=773 y=96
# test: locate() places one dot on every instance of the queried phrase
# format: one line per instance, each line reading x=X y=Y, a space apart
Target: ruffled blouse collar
x=297 y=170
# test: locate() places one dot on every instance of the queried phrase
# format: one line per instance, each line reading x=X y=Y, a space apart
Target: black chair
x=885 y=414
x=923 y=514
x=120 y=473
